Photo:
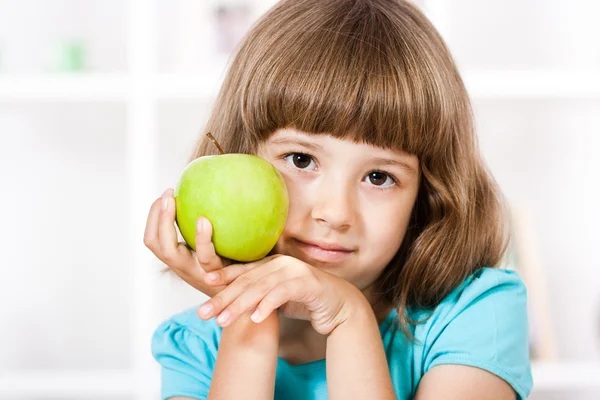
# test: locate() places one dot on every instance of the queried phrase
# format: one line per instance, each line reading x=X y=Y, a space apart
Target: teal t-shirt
x=482 y=323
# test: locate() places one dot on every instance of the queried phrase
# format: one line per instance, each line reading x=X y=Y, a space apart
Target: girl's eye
x=381 y=179
x=301 y=161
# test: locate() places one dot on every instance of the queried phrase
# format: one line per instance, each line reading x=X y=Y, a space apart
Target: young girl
x=384 y=283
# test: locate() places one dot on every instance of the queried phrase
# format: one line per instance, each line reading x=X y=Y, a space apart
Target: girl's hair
x=377 y=72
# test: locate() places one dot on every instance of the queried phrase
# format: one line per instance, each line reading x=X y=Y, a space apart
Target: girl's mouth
x=328 y=253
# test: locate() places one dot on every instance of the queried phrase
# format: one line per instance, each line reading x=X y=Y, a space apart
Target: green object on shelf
x=68 y=55
x=72 y=56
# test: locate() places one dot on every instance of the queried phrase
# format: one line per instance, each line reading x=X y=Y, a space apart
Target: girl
x=384 y=282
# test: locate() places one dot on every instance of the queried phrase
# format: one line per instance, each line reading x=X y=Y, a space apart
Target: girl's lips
x=321 y=254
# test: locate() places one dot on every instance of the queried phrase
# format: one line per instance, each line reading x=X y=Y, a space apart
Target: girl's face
x=350 y=203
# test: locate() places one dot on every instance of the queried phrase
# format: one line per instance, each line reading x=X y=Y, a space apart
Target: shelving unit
x=141 y=88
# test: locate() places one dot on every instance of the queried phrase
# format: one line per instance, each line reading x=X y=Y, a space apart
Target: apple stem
x=215 y=142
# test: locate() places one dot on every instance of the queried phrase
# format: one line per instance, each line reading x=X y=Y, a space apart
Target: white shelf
x=64 y=87
x=205 y=85
x=566 y=375
x=187 y=86
x=533 y=84
x=54 y=385
x=198 y=86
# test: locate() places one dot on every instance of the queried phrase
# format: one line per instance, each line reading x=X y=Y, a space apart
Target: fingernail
x=223 y=317
x=212 y=276
x=255 y=316
x=199 y=225
x=165 y=199
x=206 y=309
x=204 y=224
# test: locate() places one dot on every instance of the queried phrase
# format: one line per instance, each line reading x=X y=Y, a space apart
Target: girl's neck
x=299 y=343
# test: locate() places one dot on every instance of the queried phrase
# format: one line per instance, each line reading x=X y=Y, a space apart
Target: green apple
x=243 y=196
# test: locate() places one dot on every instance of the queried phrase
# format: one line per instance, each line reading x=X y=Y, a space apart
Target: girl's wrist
x=359 y=311
x=246 y=332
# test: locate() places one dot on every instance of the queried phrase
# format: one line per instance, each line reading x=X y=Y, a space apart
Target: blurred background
x=102 y=100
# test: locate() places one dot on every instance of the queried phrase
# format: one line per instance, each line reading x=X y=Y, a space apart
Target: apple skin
x=243 y=196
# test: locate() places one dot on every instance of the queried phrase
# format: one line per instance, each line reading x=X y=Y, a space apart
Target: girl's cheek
x=291 y=184
x=295 y=199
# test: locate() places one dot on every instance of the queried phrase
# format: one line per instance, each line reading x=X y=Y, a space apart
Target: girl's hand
x=160 y=237
x=286 y=282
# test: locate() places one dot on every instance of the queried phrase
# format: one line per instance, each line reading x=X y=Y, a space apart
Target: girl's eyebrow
x=301 y=142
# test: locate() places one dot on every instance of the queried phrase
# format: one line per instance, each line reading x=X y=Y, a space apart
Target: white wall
x=65 y=286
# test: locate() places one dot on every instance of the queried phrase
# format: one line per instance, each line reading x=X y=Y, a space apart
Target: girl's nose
x=333 y=206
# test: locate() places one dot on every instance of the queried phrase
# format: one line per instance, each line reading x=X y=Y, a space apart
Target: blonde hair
x=373 y=71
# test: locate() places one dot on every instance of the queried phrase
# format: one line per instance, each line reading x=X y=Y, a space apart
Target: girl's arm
x=450 y=381
x=247 y=360
x=356 y=363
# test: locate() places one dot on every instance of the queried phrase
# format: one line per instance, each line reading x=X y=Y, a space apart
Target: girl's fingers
x=228 y=274
x=250 y=300
x=173 y=253
x=228 y=292
x=205 y=250
x=290 y=290
x=160 y=236
x=225 y=275
x=151 y=231
x=243 y=294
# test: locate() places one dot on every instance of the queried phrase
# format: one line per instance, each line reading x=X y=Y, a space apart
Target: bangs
x=352 y=79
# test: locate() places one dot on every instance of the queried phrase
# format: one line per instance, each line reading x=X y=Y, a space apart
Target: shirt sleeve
x=187 y=364
x=484 y=324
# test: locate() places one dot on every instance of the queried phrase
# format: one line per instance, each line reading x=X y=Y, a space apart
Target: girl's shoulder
x=482 y=323
x=186 y=349
x=486 y=293
x=496 y=282
x=185 y=335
